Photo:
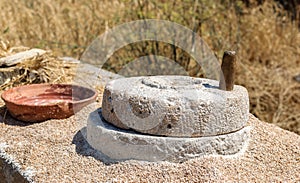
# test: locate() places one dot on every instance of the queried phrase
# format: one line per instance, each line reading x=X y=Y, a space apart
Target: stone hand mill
x=171 y=118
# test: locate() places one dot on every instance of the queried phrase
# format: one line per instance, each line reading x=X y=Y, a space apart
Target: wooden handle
x=228 y=71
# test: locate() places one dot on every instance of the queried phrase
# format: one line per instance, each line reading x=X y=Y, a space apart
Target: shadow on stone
x=83 y=148
x=206 y=85
x=9 y=173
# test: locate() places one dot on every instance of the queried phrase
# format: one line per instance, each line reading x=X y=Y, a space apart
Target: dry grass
x=41 y=68
x=270 y=57
x=267 y=41
x=66 y=27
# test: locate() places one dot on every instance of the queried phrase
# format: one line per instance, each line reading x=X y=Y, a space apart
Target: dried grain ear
x=228 y=71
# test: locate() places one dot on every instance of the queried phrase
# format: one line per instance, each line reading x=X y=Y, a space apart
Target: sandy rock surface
x=55 y=151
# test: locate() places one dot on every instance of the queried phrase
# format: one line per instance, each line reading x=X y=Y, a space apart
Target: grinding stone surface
x=120 y=145
x=178 y=106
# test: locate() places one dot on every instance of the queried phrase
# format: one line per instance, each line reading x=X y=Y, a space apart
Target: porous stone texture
x=120 y=145
x=178 y=106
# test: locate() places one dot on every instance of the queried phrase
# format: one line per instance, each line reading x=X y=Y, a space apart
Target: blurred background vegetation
x=265 y=34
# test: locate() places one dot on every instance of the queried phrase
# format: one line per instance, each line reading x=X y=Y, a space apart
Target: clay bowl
x=40 y=102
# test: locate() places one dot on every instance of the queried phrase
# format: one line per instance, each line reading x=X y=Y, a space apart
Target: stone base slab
x=119 y=145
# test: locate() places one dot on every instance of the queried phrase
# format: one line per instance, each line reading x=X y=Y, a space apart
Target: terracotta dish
x=40 y=102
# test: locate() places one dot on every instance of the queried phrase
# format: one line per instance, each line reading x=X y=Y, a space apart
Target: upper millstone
x=178 y=106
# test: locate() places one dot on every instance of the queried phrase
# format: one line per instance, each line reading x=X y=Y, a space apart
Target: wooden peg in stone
x=228 y=71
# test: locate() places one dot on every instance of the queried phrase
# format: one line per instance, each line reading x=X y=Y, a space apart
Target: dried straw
x=45 y=68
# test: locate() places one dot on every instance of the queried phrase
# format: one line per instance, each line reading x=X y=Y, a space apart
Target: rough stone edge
x=110 y=115
x=245 y=133
x=10 y=170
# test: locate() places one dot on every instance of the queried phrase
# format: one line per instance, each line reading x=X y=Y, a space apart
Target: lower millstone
x=119 y=145
x=175 y=106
